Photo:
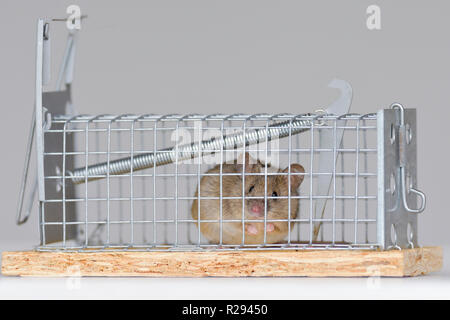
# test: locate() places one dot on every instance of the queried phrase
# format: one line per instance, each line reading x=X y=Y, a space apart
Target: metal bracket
x=397 y=178
x=404 y=138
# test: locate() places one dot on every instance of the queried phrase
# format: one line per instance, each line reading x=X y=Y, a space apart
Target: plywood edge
x=276 y=263
x=422 y=260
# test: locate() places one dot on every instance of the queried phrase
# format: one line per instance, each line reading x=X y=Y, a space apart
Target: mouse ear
x=296 y=180
x=250 y=163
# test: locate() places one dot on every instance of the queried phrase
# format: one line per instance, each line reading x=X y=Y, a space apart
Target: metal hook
x=422 y=197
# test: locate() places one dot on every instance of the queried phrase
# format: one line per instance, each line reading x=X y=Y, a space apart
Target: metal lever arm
x=20 y=220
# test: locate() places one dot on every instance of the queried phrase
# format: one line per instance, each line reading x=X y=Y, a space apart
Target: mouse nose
x=257 y=209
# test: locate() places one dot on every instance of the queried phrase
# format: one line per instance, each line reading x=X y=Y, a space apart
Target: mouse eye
x=251 y=189
x=274 y=194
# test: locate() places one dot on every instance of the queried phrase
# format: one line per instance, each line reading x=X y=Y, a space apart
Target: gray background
x=235 y=56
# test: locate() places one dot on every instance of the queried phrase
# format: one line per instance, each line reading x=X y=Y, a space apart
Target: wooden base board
x=276 y=263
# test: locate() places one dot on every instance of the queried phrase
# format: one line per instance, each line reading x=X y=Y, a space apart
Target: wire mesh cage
x=222 y=181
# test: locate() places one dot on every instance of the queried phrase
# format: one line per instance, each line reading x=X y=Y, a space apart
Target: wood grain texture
x=309 y=263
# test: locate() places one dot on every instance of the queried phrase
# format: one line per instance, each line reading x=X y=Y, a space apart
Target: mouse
x=254 y=209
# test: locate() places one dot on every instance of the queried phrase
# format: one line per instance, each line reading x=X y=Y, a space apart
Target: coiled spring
x=188 y=151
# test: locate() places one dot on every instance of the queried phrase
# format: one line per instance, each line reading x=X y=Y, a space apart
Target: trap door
x=56 y=209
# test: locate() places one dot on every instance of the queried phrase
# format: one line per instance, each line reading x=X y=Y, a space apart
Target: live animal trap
x=221 y=194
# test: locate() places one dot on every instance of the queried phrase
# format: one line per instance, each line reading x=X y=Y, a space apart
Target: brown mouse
x=254 y=209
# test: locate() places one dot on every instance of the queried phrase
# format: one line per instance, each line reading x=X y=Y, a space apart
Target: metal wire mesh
x=139 y=182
